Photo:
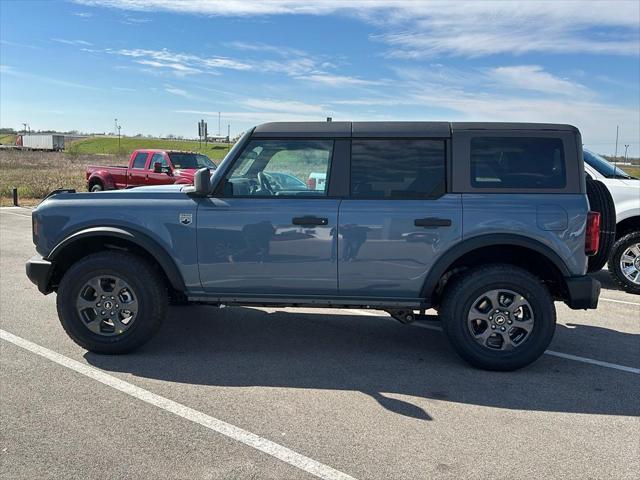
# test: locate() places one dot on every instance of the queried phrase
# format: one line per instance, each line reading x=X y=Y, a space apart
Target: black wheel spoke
x=107 y=305
x=500 y=319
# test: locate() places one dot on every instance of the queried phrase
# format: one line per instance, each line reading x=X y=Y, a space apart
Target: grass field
x=7 y=139
x=633 y=171
x=109 y=145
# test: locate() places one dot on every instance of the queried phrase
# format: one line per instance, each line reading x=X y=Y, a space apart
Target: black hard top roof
x=390 y=129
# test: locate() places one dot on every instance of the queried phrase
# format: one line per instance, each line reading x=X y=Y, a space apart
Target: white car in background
x=624 y=261
x=317 y=181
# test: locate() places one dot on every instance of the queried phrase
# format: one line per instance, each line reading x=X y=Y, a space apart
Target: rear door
x=266 y=233
x=399 y=218
x=138 y=170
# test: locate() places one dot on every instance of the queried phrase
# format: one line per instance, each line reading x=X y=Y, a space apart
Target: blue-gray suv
x=488 y=223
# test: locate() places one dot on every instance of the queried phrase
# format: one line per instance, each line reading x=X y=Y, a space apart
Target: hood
x=185 y=173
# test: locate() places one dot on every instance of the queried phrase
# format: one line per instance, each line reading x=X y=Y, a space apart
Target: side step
x=409 y=316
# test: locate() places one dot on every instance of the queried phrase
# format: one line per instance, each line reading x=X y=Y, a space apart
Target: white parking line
x=15 y=214
x=566 y=356
x=236 y=433
x=593 y=362
x=619 y=301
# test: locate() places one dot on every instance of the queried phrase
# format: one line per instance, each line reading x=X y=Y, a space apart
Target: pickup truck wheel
x=111 y=302
x=624 y=264
x=96 y=187
x=498 y=317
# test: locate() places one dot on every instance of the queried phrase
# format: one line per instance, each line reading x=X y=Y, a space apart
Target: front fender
x=140 y=239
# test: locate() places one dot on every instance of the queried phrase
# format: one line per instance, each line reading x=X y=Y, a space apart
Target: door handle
x=432 y=222
x=309 y=220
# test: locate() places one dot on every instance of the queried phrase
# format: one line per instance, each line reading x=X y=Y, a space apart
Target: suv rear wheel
x=498 y=317
x=111 y=302
x=624 y=264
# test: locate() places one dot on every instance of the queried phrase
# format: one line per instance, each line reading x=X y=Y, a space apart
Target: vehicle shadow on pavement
x=239 y=347
x=604 y=277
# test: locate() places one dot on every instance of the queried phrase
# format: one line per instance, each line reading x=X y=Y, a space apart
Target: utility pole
x=615 y=155
x=626 y=147
x=228 y=132
x=117 y=129
x=218 y=123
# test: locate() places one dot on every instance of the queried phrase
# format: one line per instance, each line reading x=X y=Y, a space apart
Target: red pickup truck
x=148 y=167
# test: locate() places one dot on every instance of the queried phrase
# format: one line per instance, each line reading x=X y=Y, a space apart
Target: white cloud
x=285 y=106
x=417 y=29
x=72 y=42
x=178 y=92
x=533 y=77
x=337 y=80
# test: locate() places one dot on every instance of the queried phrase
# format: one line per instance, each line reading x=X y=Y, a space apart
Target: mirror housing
x=202 y=182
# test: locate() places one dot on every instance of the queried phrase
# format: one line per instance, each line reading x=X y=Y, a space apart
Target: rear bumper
x=39 y=272
x=583 y=292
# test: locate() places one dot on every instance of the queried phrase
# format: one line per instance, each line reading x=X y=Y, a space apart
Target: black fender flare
x=488 y=240
x=140 y=239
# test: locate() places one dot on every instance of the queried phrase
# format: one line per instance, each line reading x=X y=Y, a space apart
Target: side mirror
x=202 y=182
x=157 y=167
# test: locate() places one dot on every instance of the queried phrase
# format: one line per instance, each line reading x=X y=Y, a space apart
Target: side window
x=269 y=168
x=517 y=162
x=140 y=160
x=158 y=157
x=398 y=169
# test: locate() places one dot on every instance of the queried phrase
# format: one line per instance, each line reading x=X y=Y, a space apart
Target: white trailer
x=43 y=142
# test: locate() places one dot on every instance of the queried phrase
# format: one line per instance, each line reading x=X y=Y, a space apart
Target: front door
x=269 y=233
x=398 y=220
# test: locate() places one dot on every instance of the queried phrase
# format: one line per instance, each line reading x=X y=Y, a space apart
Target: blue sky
x=161 y=65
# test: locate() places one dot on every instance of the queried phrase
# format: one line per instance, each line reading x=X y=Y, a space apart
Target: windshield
x=190 y=161
x=603 y=167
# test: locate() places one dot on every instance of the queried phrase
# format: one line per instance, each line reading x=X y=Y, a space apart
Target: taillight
x=311 y=183
x=592 y=238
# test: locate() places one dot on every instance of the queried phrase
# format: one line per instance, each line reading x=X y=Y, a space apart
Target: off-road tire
x=145 y=281
x=614 y=262
x=464 y=290
x=600 y=201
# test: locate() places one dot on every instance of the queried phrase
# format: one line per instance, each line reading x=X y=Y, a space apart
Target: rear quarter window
x=140 y=160
x=517 y=162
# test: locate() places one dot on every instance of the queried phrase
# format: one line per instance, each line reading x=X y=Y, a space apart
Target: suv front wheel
x=111 y=302
x=498 y=317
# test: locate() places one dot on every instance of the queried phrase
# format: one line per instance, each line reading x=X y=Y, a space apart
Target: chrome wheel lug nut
x=117 y=306
x=102 y=312
x=102 y=296
x=509 y=322
x=503 y=329
x=493 y=327
x=98 y=304
x=112 y=313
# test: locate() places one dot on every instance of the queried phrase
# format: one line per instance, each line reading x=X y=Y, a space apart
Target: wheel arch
x=497 y=248
x=628 y=225
x=91 y=240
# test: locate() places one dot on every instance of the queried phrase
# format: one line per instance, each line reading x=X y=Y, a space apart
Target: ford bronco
x=487 y=223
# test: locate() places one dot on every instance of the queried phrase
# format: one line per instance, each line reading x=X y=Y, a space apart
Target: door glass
x=397 y=169
x=140 y=160
x=158 y=158
x=269 y=168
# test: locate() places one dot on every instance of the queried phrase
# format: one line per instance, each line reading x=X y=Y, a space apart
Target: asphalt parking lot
x=298 y=393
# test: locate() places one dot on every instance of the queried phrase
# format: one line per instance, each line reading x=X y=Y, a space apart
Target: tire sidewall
x=614 y=261
x=145 y=324
x=539 y=337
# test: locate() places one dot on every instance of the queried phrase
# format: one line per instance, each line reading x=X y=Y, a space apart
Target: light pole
x=118 y=127
x=626 y=147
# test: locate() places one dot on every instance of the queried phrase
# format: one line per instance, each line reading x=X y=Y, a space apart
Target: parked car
x=317 y=181
x=488 y=223
x=148 y=167
x=624 y=259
